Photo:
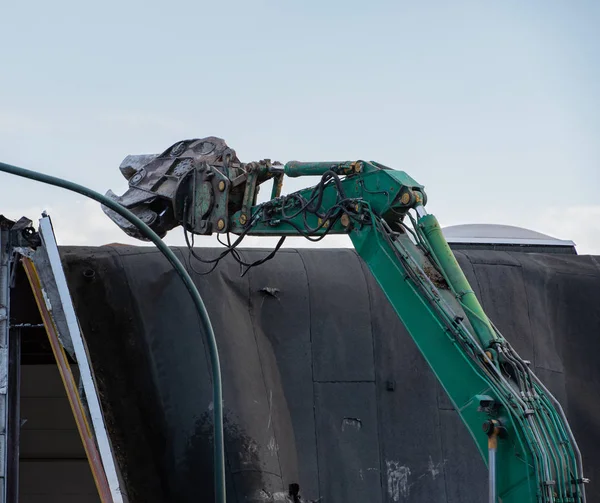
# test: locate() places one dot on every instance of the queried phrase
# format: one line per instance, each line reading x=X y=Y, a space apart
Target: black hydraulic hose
x=219 y=452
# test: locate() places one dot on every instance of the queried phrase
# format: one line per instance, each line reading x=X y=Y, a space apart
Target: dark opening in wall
x=52 y=464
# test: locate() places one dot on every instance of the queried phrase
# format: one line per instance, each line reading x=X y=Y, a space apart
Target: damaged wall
x=323 y=387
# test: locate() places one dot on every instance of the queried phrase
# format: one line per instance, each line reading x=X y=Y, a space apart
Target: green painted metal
x=296 y=168
x=456 y=279
x=380 y=188
x=435 y=334
x=424 y=283
x=204 y=199
x=206 y=204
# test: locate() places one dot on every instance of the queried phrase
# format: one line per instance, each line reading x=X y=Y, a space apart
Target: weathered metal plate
x=143 y=336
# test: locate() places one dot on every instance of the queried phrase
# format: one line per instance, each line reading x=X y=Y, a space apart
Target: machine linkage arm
x=514 y=420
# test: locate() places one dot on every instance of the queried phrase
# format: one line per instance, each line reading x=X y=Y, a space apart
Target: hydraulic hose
x=219 y=451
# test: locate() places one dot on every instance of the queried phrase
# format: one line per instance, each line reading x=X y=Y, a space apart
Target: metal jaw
x=198 y=184
x=161 y=186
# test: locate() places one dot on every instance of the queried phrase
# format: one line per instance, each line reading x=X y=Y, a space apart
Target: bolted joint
x=494 y=430
x=345 y=221
x=488 y=427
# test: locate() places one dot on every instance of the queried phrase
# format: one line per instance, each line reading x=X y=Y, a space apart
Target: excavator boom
x=518 y=426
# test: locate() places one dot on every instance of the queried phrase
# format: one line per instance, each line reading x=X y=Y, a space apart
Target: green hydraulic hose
x=219 y=452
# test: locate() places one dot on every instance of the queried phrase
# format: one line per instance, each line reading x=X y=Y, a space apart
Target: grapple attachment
x=188 y=184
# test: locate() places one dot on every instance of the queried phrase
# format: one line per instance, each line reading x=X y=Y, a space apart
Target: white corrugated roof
x=500 y=234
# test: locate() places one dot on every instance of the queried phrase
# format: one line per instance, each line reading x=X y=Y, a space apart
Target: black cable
x=318 y=190
x=222 y=255
x=305 y=204
x=231 y=249
x=310 y=206
x=265 y=259
x=308 y=236
x=321 y=186
x=234 y=253
x=326 y=217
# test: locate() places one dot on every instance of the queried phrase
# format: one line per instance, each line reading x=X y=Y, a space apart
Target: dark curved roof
x=323 y=386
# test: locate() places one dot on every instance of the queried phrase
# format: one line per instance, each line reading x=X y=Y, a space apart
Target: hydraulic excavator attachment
x=518 y=426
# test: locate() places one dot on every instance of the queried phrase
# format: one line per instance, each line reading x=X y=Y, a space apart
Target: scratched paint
x=351 y=423
x=400 y=482
x=248 y=453
x=434 y=469
x=267 y=497
x=397 y=480
x=272 y=446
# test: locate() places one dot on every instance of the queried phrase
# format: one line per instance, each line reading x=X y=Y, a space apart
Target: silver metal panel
x=86 y=376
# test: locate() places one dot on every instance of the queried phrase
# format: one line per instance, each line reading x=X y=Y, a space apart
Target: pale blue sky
x=493 y=106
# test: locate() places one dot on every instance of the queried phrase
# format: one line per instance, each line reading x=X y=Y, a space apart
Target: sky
x=493 y=106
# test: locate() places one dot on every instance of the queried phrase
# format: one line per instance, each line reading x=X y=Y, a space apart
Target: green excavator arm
x=518 y=426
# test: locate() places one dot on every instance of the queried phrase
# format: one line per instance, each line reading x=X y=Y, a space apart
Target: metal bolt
x=136 y=178
x=221 y=185
x=178 y=149
x=243 y=219
x=221 y=224
x=488 y=426
x=345 y=219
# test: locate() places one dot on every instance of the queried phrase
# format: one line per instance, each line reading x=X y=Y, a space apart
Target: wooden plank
x=68 y=380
